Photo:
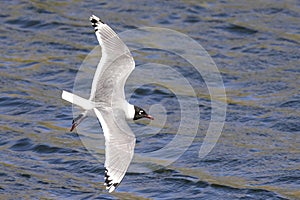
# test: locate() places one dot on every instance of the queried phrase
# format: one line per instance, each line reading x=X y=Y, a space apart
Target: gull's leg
x=78 y=119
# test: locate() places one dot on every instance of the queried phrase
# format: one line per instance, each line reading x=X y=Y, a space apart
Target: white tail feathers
x=77 y=100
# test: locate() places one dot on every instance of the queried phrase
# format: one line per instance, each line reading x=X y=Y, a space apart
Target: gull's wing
x=119 y=145
x=115 y=65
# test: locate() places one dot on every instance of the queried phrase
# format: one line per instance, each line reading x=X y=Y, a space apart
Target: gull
x=107 y=100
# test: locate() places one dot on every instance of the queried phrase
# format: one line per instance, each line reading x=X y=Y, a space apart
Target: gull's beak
x=149 y=117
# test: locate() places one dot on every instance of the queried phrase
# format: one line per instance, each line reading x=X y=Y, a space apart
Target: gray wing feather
x=115 y=65
x=119 y=145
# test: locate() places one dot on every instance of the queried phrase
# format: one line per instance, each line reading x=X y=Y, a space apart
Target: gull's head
x=140 y=113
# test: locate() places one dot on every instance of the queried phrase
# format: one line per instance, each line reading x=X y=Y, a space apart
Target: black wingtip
x=106 y=179
x=94 y=20
x=109 y=184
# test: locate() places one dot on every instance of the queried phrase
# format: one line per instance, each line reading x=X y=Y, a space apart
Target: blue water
x=256 y=48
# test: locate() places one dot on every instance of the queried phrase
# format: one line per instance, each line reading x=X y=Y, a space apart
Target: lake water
x=255 y=46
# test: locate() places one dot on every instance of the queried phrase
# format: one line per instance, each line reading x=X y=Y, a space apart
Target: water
x=256 y=48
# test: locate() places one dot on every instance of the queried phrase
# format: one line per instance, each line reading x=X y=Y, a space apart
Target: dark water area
x=255 y=45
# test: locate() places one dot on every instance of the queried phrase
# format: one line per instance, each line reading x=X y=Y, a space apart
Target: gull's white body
x=107 y=100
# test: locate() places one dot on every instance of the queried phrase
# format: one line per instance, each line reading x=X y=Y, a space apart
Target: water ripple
x=254 y=44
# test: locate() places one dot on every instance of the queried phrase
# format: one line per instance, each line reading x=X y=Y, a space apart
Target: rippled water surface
x=255 y=45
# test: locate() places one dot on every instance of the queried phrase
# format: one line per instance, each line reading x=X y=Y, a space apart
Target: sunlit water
x=256 y=48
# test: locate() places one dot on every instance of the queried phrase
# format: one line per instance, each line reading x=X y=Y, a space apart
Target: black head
x=140 y=113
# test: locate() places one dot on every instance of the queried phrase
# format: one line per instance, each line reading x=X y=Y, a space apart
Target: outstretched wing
x=119 y=145
x=115 y=65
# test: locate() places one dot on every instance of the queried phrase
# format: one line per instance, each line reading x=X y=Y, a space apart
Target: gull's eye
x=141 y=112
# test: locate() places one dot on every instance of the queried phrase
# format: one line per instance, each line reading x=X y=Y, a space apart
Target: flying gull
x=107 y=100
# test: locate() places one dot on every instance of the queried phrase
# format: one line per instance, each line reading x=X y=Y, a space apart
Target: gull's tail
x=77 y=100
